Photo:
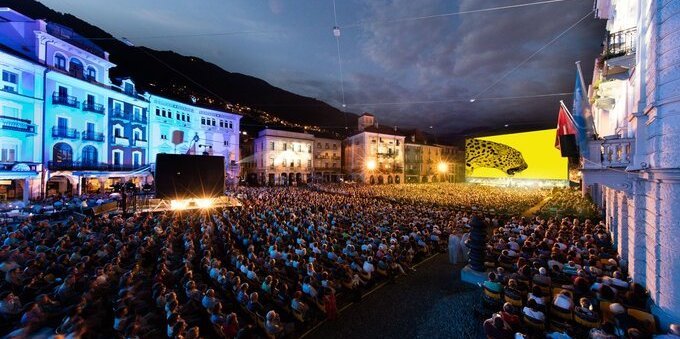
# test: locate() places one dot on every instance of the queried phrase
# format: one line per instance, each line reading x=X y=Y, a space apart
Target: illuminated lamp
x=443 y=167
x=371 y=165
x=178 y=204
x=204 y=203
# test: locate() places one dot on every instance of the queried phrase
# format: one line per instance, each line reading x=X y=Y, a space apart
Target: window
x=62 y=123
x=327 y=146
x=63 y=91
x=136 y=159
x=184 y=117
x=75 y=67
x=137 y=112
x=89 y=156
x=90 y=129
x=272 y=146
x=60 y=62
x=202 y=121
x=62 y=152
x=299 y=163
x=164 y=137
x=137 y=134
x=177 y=115
x=129 y=88
x=91 y=73
x=188 y=118
x=90 y=99
x=10 y=81
x=285 y=146
x=271 y=162
x=221 y=123
x=11 y=112
x=117 y=131
x=8 y=152
x=213 y=122
x=309 y=164
x=158 y=112
x=117 y=157
x=163 y=113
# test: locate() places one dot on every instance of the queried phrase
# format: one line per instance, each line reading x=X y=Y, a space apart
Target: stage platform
x=471 y=276
x=152 y=205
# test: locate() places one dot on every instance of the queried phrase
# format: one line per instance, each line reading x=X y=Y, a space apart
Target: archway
x=380 y=180
x=284 y=178
x=372 y=180
x=389 y=179
x=59 y=184
x=397 y=179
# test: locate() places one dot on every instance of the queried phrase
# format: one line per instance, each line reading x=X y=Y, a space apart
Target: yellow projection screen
x=529 y=157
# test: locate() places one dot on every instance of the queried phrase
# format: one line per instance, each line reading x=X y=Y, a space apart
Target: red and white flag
x=565 y=126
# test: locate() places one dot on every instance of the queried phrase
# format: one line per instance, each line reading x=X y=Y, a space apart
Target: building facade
x=454 y=158
x=21 y=114
x=632 y=168
x=68 y=129
x=327 y=164
x=180 y=128
x=283 y=157
x=423 y=163
x=374 y=155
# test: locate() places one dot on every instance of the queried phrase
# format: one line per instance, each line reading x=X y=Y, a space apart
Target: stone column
x=26 y=190
x=636 y=250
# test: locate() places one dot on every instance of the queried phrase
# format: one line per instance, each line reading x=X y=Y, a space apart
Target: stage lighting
x=177 y=205
x=371 y=165
x=204 y=203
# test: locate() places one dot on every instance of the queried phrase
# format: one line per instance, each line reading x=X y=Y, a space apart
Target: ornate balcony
x=93 y=136
x=16 y=124
x=621 y=43
x=140 y=143
x=64 y=100
x=609 y=153
x=93 y=107
x=62 y=132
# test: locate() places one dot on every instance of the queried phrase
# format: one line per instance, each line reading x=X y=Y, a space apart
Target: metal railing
x=90 y=166
x=139 y=118
x=65 y=100
x=621 y=43
x=93 y=136
x=16 y=124
x=63 y=132
x=119 y=113
x=93 y=107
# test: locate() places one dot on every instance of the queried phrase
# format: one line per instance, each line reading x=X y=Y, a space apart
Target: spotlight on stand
x=371 y=165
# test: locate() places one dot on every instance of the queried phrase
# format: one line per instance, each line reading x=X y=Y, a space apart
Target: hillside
x=183 y=77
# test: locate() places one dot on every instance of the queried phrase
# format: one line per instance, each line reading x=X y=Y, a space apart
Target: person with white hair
x=673 y=333
x=273 y=325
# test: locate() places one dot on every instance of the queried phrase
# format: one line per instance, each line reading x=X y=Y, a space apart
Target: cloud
x=456 y=57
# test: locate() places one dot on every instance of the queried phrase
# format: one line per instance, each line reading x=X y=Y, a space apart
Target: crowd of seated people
x=560 y=279
x=487 y=199
x=569 y=201
x=270 y=267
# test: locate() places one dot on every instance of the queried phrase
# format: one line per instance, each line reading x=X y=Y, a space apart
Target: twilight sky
x=413 y=73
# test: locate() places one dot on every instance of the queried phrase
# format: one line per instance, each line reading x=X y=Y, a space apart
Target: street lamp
x=442 y=167
x=371 y=165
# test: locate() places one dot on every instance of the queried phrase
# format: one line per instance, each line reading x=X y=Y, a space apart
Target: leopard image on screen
x=489 y=154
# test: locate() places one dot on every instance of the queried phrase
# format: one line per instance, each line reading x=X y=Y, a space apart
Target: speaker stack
x=477 y=244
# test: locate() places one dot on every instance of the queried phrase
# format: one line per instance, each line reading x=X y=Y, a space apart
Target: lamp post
x=371 y=165
x=443 y=168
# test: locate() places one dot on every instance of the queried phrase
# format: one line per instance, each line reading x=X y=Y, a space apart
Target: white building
x=327 y=160
x=180 y=128
x=375 y=154
x=633 y=169
x=282 y=157
x=21 y=114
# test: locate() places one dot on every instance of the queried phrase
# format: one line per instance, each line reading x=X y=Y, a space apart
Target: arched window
x=59 y=61
x=89 y=155
x=75 y=67
x=91 y=73
x=62 y=152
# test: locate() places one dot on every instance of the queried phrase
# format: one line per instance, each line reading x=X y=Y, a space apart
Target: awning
x=9 y=175
x=140 y=171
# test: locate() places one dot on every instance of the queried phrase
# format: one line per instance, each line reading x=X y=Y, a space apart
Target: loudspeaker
x=568 y=146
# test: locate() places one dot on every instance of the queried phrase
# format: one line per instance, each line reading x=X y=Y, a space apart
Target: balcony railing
x=89 y=166
x=609 y=153
x=120 y=140
x=119 y=113
x=139 y=118
x=93 y=136
x=621 y=43
x=65 y=100
x=16 y=124
x=140 y=142
x=62 y=132
x=93 y=107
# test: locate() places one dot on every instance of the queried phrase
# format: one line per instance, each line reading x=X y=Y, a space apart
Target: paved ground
x=430 y=303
